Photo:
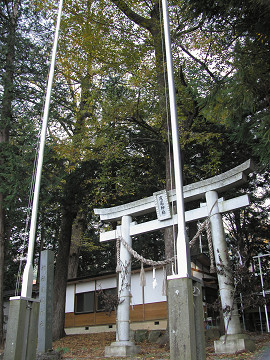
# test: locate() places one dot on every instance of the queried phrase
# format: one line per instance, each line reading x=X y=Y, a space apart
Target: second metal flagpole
x=182 y=246
x=27 y=282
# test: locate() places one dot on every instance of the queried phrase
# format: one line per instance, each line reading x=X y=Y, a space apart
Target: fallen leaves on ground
x=92 y=346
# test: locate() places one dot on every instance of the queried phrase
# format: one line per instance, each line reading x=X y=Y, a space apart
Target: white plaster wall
x=70 y=298
x=136 y=290
x=150 y=294
x=153 y=295
x=106 y=283
x=85 y=286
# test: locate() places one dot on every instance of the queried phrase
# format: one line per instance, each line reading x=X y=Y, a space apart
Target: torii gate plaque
x=186 y=320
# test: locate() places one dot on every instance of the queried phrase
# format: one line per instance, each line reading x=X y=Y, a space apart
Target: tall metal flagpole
x=182 y=246
x=185 y=312
x=27 y=283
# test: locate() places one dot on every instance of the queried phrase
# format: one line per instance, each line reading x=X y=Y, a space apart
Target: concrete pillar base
x=186 y=333
x=22 y=329
x=234 y=343
x=122 y=348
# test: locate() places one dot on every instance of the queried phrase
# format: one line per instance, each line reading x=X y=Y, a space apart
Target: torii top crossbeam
x=194 y=191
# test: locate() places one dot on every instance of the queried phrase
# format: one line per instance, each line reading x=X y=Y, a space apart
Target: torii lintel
x=194 y=191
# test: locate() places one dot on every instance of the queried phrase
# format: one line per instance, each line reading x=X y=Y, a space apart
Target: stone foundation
x=233 y=344
x=121 y=348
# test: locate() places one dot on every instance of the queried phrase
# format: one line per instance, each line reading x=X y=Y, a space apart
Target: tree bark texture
x=61 y=272
x=76 y=238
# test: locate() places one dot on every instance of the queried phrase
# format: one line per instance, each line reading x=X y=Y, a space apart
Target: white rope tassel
x=154 y=279
x=142 y=276
x=164 y=283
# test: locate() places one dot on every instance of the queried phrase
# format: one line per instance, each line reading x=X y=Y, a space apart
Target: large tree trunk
x=69 y=213
x=61 y=272
x=10 y=17
x=76 y=239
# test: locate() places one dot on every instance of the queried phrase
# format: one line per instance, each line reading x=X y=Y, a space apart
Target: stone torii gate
x=186 y=320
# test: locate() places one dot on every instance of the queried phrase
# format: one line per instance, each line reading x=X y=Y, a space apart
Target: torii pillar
x=123 y=346
x=233 y=340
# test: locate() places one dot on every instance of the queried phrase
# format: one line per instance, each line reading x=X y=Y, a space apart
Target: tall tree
x=9 y=13
x=245 y=96
x=22 y=81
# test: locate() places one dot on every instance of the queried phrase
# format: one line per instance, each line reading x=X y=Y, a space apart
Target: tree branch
x=138 y=19
x=200 y=62
x=178 y=32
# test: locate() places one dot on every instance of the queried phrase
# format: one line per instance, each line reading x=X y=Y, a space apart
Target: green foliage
x=249 y=108
x=21 y=81
x=243 y=99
